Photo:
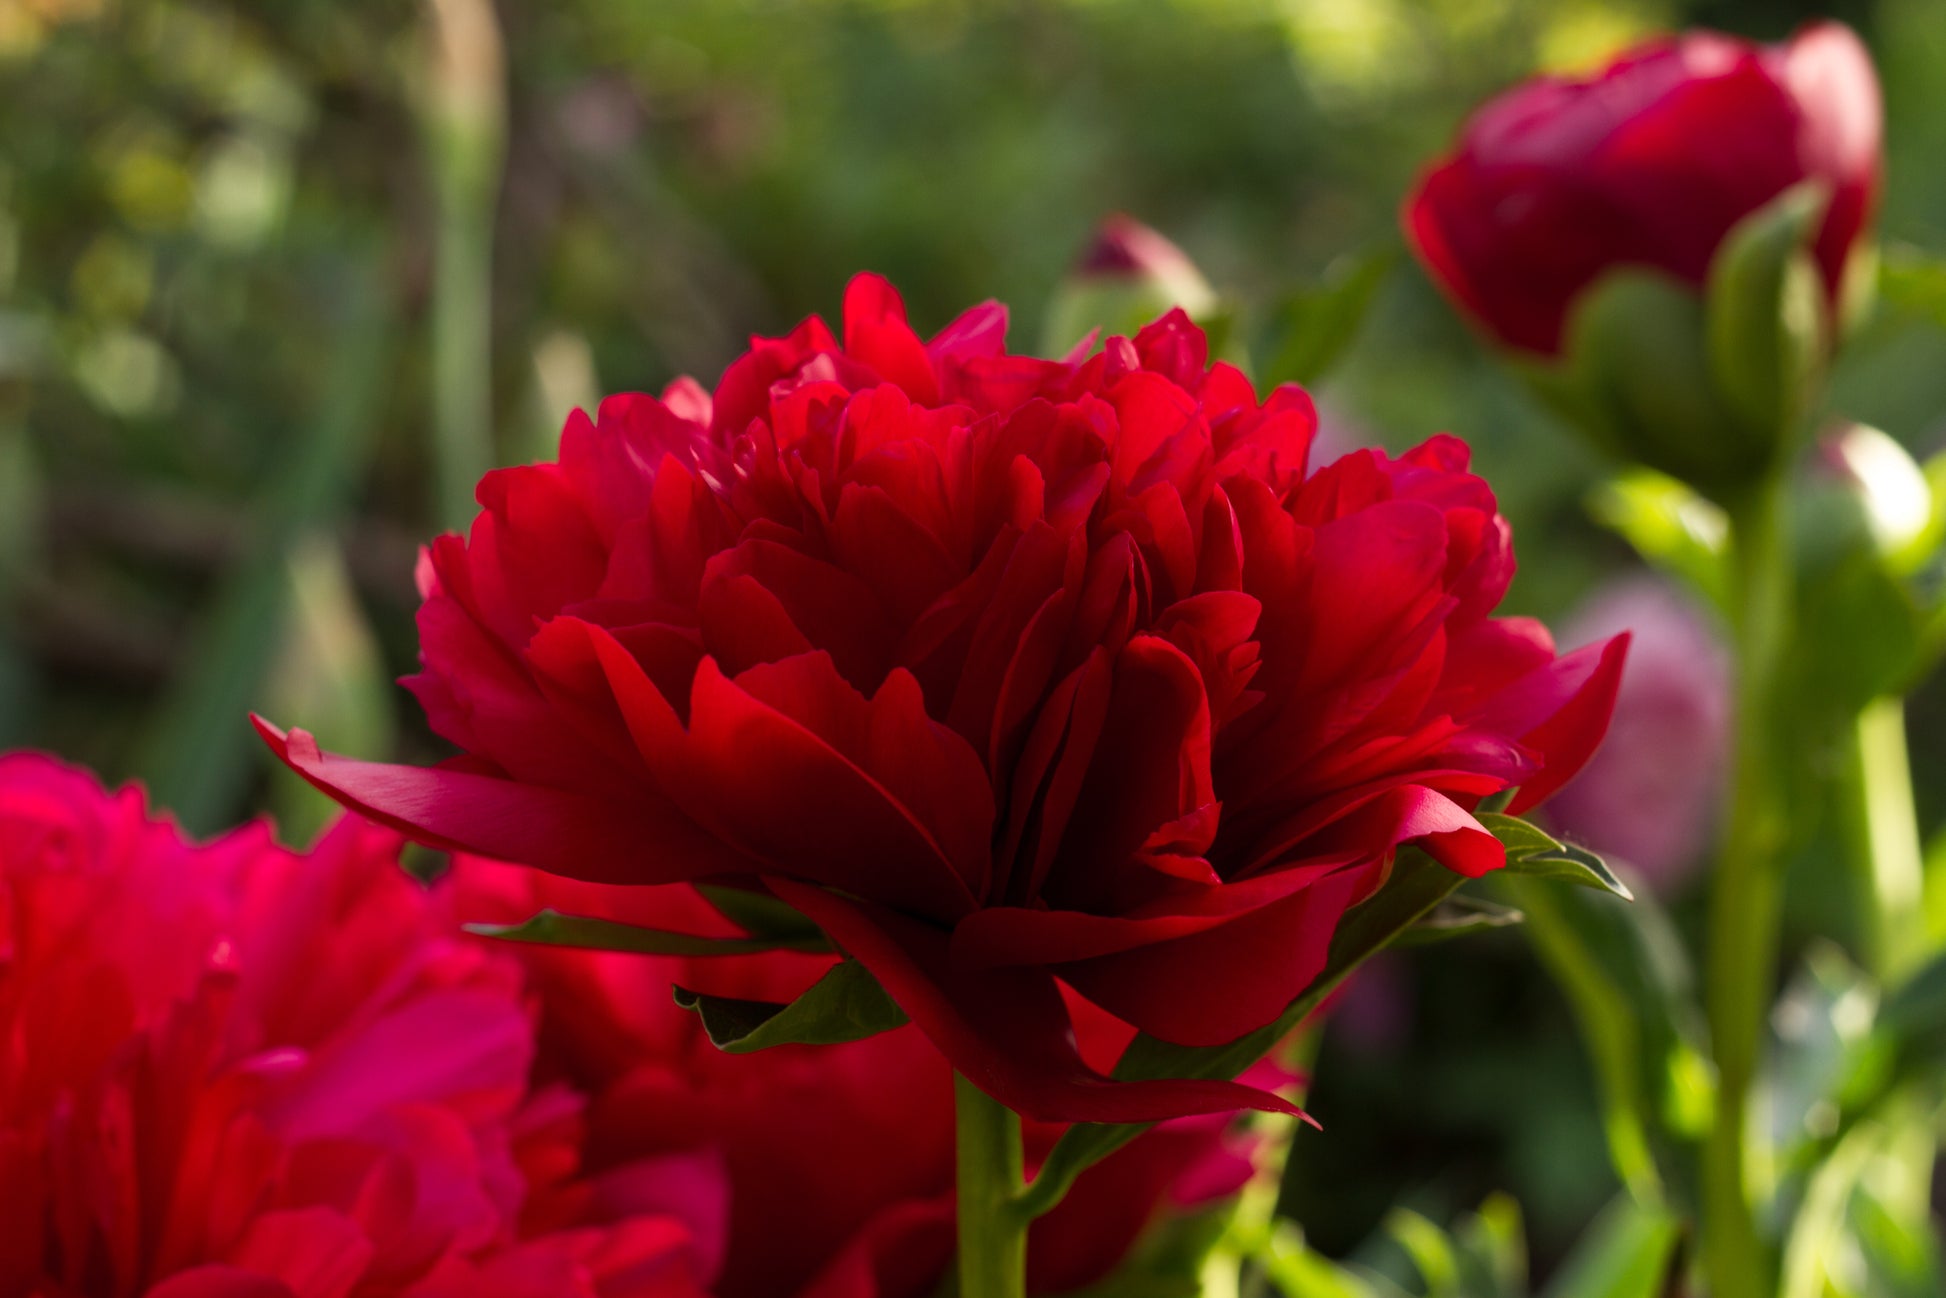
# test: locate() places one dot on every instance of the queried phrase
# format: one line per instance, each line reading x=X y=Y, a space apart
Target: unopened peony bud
x=1671 y=247
x=1128 y=276
x=1864 y=492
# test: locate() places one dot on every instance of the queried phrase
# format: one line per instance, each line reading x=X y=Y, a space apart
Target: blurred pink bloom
x=1648 y=795
x=228 y=1070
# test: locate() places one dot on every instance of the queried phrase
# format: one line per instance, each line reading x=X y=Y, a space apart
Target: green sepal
x=552 y=928
x=1767 y=319
x=1635 y=375
x=847 y=1004
x=1533 y=851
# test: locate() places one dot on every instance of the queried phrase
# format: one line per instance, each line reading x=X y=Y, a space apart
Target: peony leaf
x=762 y=915
x=1315 y=326
x=1533 y=851
x=847 y=1004
x=1628 y=1253
x=1417 y=886
x=1457 y=916
x=552 y=928
x=1673 y=527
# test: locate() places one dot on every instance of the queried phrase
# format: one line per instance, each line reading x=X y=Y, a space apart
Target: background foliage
x=234 y=370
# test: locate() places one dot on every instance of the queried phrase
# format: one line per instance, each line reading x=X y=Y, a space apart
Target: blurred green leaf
x=1626 y=1254
x=1913 y=280
x=1312 y=328
x=552 y=928
x=196 y=754
x=329 y=669
x=1625 y=977
x=1670 y=525
x=847 y=1004
x=1431 y=1252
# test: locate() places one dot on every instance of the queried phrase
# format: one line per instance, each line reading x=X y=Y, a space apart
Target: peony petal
x=1006 y=1030
x=1568 y=738
x=556 y=830
x=1209 y=988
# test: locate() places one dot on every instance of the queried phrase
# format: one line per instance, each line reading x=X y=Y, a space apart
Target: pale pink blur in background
x=1647 y=797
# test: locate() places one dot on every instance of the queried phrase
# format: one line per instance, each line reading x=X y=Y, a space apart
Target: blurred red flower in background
x=234 y=1071
x=1009 y=673
x=839 y=1158
x=1648 y=162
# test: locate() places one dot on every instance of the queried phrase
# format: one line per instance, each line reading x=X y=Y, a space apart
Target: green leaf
x=1765 y=308
x=552 y=928
x=1431 y=1252
x=1314 y=327
x=1626 y=1254
x=762 y=915
x=197 y=754
x=1913 y=282
x=847 y=1004
x=1673 y=527
x=1532 y=851
x=329 y=667
x=1624 y=974
x=1418 y=884
x=1458 y=916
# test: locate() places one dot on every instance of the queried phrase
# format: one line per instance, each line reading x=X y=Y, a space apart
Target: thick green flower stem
x=1882 y=840
x=1745 y=900
x=992 y=1226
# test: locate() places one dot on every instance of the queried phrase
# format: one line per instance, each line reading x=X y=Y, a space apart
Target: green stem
x=992 y=1228
x=1882 y=840
x=1746 y=895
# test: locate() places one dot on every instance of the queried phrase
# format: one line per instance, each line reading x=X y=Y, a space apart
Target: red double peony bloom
x=838 y=1159
x=1649 y=162
x=233 y=1071
x=1006 y=672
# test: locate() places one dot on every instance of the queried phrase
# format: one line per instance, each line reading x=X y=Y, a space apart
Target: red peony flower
x=1649 y=162
x=233 y=1071
x=839 y=1159
x=1006 y=672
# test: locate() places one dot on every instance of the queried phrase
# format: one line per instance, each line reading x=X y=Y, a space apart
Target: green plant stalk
x=992 y=1227
x=1609 y=1027
x=1746 y=896
x=1882 y=840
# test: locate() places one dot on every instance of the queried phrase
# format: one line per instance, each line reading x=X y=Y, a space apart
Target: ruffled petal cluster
x=1012 y=674
x=228 y=1070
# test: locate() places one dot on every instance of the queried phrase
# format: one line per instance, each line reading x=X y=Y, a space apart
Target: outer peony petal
x=1589 y=678
x=1213 y=987
x=1006 y=1030
x=562 y=832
